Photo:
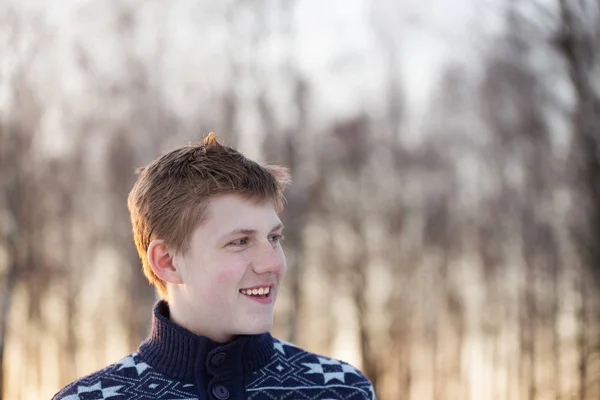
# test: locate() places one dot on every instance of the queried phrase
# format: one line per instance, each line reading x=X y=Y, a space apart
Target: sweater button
x=218 y=359
x=221 y=392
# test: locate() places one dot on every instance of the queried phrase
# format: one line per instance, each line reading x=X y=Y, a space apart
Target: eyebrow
x=253 y=231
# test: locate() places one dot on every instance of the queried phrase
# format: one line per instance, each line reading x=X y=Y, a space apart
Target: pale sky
x=336 y=44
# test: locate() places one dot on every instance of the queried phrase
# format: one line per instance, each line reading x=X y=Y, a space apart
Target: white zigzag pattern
x=339 y=373
x=287 y=372
x=290 y=370
x=106 y=392
x=129 y=362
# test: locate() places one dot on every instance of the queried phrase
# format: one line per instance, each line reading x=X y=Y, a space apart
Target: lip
x=260 y=300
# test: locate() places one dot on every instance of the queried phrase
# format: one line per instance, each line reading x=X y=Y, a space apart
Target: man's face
x=232 y=271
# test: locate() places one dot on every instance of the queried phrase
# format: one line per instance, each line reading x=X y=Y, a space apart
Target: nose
x=269 y=259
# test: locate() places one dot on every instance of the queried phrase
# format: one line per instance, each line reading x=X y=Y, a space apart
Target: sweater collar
x=181 y=354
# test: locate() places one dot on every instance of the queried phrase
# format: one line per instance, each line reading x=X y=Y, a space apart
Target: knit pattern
x=291 y=373
x=176 y=364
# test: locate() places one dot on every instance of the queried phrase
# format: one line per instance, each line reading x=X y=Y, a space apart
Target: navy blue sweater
x=174 y=363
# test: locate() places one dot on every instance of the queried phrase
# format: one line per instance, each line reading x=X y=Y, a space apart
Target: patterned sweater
x=174 y=363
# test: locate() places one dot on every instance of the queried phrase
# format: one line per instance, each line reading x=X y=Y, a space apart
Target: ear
x=161 y=261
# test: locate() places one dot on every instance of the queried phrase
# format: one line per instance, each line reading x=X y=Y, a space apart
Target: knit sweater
x=174 y=363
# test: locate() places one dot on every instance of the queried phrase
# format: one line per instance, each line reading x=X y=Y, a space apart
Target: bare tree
x=578 y=41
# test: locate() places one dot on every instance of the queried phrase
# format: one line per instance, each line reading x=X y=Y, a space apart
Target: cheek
x=283 y=262
x=228 y=276
x=221 y=288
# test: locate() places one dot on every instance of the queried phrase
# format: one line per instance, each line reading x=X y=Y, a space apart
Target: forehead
x=225 y=213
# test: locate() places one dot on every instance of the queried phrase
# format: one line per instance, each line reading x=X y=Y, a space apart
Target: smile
x=260 y=294
x=257 y=291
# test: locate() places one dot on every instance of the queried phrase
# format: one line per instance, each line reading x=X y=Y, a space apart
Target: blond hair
x=169 y=198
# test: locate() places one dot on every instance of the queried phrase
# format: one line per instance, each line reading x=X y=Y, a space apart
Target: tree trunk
x=11 y=280
x=582 y=342
x=578 y=48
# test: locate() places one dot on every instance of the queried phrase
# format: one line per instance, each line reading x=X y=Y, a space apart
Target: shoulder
x=301 y=368
x=111 y=381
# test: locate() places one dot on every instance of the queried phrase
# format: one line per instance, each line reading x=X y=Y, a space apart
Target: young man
x=206 y=226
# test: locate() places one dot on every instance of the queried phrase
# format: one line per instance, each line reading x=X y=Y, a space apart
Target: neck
x=181 y=354
x=190 y=319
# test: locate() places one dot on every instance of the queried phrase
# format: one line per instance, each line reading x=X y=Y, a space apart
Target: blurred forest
x=450 y=250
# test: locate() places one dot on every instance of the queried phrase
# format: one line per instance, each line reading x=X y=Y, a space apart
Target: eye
x=239 y=242
x=277 y=238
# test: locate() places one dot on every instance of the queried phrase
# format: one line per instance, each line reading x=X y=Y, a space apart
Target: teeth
x=256 y=292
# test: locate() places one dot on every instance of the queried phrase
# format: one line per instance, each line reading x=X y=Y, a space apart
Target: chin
x=257 y=328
